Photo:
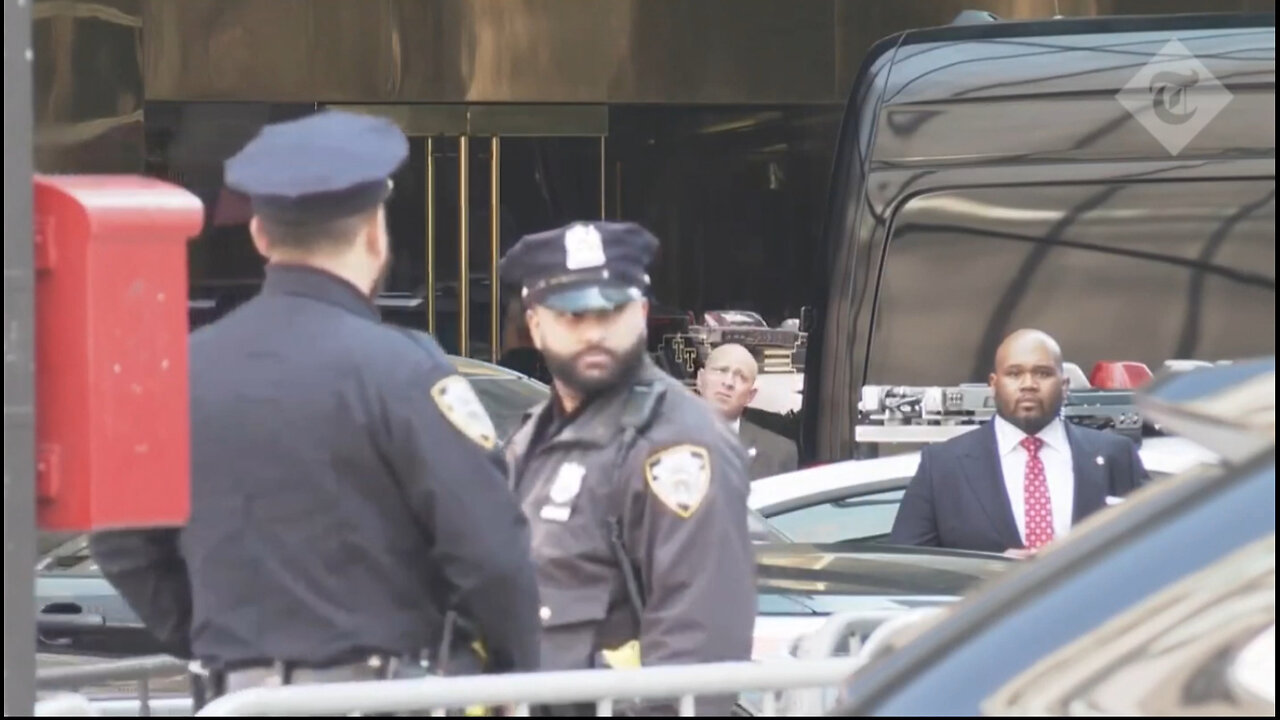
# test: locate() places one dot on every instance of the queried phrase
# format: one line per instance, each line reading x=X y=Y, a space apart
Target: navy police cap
x=325 y=166
x=583 y=266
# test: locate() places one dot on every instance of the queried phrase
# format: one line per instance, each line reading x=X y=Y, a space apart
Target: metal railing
x=141 y=670
x=804 y=686
x=67 y=703
x=520 y=692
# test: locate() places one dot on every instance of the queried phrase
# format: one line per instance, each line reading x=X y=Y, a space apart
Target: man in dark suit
x=728 y=381
x=1024 y=478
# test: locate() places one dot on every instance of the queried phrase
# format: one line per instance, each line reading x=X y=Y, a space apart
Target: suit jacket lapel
x=986 y=479
x=1090 y=476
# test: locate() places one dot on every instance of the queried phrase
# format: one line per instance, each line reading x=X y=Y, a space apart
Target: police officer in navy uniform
x=347 y=491
x=636 y=492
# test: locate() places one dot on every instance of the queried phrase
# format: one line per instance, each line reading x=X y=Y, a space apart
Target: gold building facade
x=713 y=122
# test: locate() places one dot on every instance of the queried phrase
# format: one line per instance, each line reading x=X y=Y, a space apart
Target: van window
x=1143 y=271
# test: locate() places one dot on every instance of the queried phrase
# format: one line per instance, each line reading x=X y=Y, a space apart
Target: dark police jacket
x=344 y=491
x=652 y=455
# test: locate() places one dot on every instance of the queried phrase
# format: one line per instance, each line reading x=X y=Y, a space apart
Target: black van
x=1110 y=181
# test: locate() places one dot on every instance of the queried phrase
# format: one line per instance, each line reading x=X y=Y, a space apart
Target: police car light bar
x=904 y=414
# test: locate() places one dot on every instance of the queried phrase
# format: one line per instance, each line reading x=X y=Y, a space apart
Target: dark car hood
x=873 y=570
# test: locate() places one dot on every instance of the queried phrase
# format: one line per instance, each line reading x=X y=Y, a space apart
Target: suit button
x=545 y=613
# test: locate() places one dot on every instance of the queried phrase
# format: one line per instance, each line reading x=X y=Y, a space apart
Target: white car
x=858 y=499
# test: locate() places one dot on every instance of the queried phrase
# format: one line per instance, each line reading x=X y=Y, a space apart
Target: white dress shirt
x=736 y=425
x=1058 y=469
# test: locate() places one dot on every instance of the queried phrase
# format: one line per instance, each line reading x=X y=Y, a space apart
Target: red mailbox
x=112 y=425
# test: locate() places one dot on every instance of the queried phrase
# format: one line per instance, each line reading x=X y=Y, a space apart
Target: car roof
x=1166 y=455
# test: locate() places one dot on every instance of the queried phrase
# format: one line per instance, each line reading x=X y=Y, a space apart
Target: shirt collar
x=319 y=285
x=1008 y=437
x=736 y=425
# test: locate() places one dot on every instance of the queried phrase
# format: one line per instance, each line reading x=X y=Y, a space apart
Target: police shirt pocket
x=571 y=619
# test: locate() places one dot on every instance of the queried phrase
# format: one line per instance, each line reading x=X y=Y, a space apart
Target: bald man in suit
x=1027 y=476
x=728 y=381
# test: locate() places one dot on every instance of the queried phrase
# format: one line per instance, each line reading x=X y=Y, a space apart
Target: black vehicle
x=1045 y=174
x=1148 y=609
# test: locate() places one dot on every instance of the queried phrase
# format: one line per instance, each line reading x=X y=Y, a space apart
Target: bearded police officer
x=636 y=492
x=347 y=491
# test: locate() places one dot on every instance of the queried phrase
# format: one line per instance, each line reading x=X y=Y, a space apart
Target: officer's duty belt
x=375 y=666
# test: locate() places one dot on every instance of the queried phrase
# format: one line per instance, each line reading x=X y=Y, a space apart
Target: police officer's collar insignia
x=568 y=483
x=458 y=402
x=583 y=248
x=680 y=477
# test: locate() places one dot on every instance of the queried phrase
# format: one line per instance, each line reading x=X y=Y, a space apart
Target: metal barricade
x=74 y=704
x=519 y=692
x=804 y=686
x=860 y=635
x=141 y=670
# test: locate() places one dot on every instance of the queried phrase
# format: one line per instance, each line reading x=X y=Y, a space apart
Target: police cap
x=322 y=167
x=583 y=266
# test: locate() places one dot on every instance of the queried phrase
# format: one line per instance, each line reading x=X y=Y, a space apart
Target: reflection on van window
x=1112 y=277
x=1172 y=654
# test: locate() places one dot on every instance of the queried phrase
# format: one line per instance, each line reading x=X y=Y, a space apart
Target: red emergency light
x=1121 y=375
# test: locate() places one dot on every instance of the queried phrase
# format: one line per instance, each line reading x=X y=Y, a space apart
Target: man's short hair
x=315 y=236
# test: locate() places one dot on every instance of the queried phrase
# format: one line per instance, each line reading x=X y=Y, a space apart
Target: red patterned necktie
x=1035 y=490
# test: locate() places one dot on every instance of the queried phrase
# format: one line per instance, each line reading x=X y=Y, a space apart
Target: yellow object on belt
x=623 y=657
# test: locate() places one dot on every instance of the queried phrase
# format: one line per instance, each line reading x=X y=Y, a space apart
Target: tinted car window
x=1096 y=266
x=861 y=517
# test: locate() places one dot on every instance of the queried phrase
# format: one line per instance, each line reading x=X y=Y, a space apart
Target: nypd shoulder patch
x=680 y=477
x=461 y=406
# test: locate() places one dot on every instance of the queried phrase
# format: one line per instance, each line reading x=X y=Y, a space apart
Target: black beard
x=626 y=363
x=1032 y=425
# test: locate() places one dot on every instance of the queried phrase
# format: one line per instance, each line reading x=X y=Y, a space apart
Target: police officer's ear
x=259 y=238
x=374 y=233
x=534 y=324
